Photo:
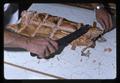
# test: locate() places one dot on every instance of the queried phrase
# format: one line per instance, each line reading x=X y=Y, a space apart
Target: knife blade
x=69 y=38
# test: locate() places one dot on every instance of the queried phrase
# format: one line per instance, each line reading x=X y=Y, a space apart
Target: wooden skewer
x=32 y=70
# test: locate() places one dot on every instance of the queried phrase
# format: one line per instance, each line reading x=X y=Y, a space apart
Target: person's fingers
x=40 y=53
x=33 y=55
x=110 y=21
x=36 y=53
x=53 y=44
x=106 y=21
x=38 y=57
x=99 y=19
x=102 y=24
x=51 y=48
x=47 y=52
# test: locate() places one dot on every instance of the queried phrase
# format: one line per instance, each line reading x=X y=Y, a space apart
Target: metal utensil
x=69 y=38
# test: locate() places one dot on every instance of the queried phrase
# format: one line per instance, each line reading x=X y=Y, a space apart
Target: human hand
x=42 y=47
x=104 y=18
